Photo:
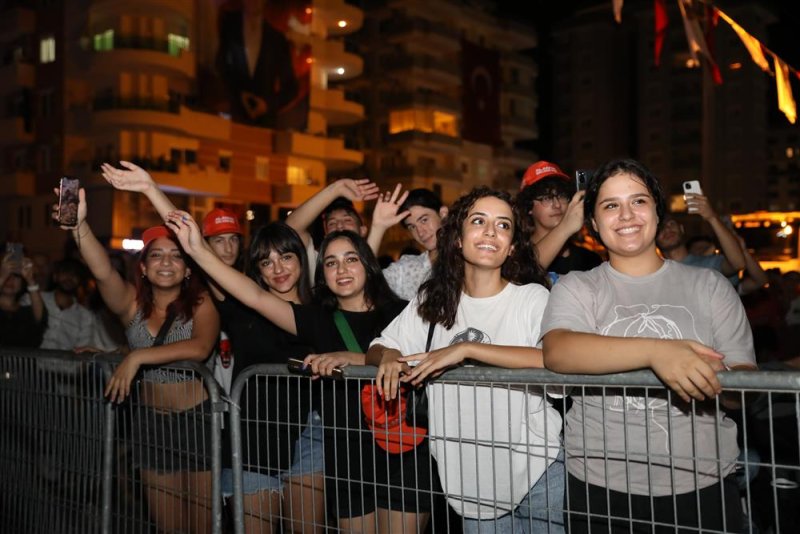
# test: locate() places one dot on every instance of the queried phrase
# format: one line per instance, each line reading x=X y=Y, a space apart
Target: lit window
x=262 y=169
x=176 y=43
x=296 y=176
x=47 y=50
x=789 y=152
x=423 y=121
x=104 y=41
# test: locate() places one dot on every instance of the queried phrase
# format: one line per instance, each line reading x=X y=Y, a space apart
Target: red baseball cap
x=387 y=420
x=539 y=171
x=154 y=232
x=220 y=221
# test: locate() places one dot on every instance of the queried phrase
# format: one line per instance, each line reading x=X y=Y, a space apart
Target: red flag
x=713 y=19
x=661 y=23
x=480 y=69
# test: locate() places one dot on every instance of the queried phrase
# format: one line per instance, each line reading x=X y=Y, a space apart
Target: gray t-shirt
x=668 y=446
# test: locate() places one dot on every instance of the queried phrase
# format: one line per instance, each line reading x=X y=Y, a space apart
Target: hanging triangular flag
x=713 y=19
x=751 y=43
x=617 y=7
x=694 y=34
x=785 y=99
x=661 y=23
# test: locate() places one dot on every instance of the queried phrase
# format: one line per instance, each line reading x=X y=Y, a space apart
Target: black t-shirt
x=273 y=409
x=578 y=259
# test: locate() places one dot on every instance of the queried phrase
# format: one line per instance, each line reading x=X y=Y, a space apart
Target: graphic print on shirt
x=658 y=321
x=472 y=335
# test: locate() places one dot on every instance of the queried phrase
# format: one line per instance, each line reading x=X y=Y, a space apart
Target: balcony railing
x=149 y=104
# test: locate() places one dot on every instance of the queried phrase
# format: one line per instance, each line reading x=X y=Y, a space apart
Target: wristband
x=33 y=287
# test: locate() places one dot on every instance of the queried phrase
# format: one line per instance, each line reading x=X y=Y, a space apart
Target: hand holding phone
x=582 y=177
x=68 y=201
x=296 y=365
x=691 y=187
x=14 y=256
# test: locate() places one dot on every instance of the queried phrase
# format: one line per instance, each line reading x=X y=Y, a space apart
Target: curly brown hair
x=440 y=294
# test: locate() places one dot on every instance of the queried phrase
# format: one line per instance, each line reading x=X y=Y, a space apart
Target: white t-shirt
x=491 y=443
x=407 y=274
x=68 y=328
x=638 y=442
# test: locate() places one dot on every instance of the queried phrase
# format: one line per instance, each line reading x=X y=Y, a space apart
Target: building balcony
x=18 y=183
x=193 y=180
x=420 y=30
x=516 y=157
x=330 y=12
x=333 y=105
x=519 y=127
x=332 y=152
x=432 y=69
x=424 y=99
x=413 y=173
x=137 y=112
x=292 y=195
x=416 y=136
x=140 y=54
x=163 y=8
x=331 y=55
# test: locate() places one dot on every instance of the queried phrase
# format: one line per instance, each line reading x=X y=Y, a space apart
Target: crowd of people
x=589 y=282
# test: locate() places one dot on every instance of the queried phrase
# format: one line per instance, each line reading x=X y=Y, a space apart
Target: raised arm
x=385 y=215
x=237 y=284
x=733 y=259
x=306 y=213
x=118 y=294
x=134 y=178
x=205 y=330
x=549 y=247
x=687 y=367
x=37 y=304
x=755 y=276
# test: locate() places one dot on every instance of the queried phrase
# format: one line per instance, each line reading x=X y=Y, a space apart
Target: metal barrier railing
x=71 y=462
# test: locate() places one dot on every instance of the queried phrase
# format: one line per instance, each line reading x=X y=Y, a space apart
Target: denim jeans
x=541 y=511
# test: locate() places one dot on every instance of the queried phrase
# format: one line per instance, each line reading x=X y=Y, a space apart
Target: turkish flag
x=480 y=93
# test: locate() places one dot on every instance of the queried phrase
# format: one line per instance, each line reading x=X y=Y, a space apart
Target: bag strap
x=346 y=332
x=431 y=327
x=162 y=332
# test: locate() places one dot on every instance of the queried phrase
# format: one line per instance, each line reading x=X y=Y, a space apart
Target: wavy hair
x=377 y=292
x=283 y=239
x=192 y=288
x=440 y=294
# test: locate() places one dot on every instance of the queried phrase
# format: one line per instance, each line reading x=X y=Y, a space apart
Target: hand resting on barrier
x=330 y=364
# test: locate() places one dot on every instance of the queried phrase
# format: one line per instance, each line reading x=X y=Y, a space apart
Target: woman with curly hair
x=501 y=466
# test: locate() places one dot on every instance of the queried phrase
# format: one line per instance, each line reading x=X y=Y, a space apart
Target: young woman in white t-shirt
x=497 y=447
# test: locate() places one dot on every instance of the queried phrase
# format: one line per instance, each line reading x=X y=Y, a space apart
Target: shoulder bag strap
x=431 y=328
x=346 y=332
x=162 y=332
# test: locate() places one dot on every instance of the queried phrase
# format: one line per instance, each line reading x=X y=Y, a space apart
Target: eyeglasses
x=552 y=199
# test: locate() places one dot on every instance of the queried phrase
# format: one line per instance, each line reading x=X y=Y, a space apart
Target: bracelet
x=33 y=287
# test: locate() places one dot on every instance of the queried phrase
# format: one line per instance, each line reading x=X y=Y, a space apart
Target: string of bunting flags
x=702 y=43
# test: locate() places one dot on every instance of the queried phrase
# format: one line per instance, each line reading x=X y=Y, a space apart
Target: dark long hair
x=377 y=292
x=440 y=294
x=283 y=239
x=192 y=289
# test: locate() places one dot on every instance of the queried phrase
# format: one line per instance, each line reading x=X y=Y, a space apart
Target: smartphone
x=691 y=187
x=68 y=201
x=297 y=365
x=582 y=178
x=15 y=255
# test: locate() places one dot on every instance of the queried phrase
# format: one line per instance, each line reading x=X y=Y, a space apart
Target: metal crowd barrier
x=71 y=462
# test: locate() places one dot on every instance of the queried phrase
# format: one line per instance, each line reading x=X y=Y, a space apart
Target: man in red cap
x=556 y=211
x=223 y=234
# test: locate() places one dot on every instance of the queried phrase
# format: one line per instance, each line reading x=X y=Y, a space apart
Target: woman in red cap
x=166 y=304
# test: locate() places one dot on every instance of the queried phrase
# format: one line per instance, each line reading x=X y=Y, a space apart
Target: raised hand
x=132 y=178
x=82 y=210
x=385 y=214
x=689 y=369
x=362 y=189
x=187 y=231
x=699 y=204
x=573 y=217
